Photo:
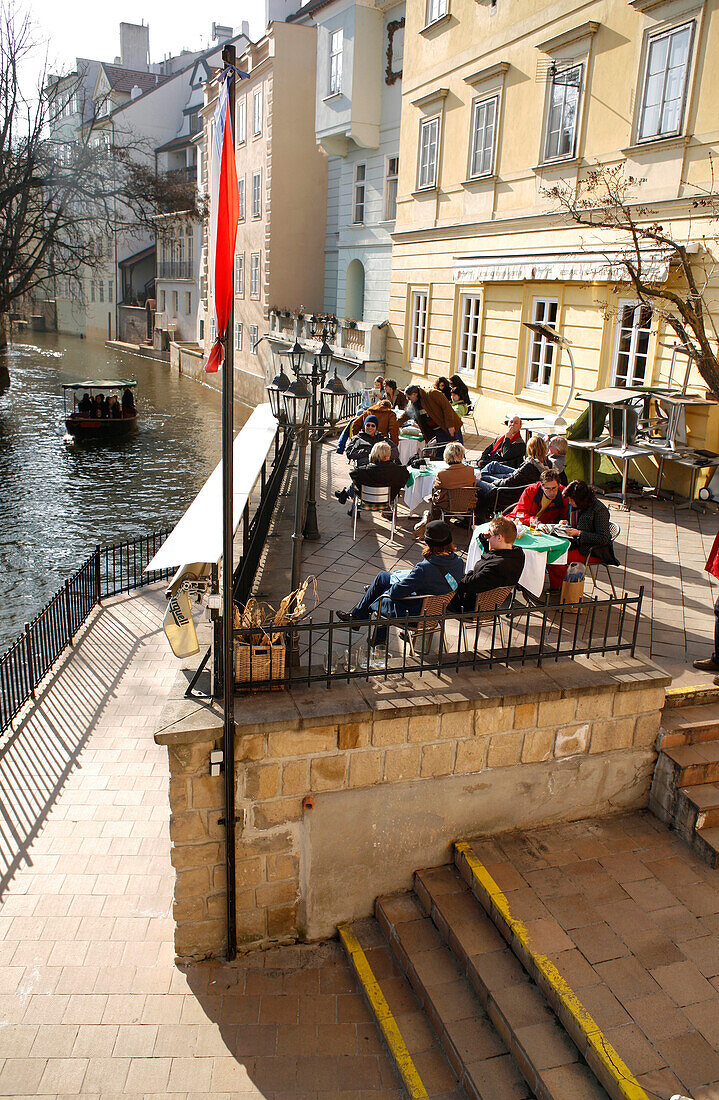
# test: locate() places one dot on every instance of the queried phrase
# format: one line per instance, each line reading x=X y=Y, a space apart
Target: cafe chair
x=461 y=504
x=487 y=602
x=421 y=632
x=591 y=566
x=374 y=498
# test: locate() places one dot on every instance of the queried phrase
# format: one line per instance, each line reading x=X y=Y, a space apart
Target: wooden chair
x=591 y=566
x=487 y=602
x=431 y=610
x=373 y=498
x=461 y=504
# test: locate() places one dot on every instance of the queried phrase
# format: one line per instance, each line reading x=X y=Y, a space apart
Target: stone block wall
x=332 y=811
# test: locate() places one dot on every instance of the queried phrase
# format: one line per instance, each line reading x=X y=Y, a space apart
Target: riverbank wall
x=188 y=359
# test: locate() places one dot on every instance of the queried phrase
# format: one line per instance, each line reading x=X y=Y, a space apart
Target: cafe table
x=419 y=485
x=540 y=550
x=409 y=446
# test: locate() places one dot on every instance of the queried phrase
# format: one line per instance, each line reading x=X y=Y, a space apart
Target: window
x=418 y=330
x=359 y=194
x=213 y=329
x=563 y=113
x=238 y=336
x=484 y=128
x=241 y=197
x=92 y=290
x=101 y=289
x=428 y=149
x=540 y=355
x=390 y=189
x=257 y=112
x=162 y=301
x=255 y=275
x=335 y=80
x=665 y=83
x=470 y=313
x=256 y=194
x=242 y=120
x=188 y=302
x=109 y=290
x=189 y=245
x=240 y=275
x=436 y=9
x=254 y=337
x=175 y=302
x=631 y=344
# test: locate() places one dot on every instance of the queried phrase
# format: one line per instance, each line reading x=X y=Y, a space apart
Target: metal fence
x=332 y=652
x=108 y=571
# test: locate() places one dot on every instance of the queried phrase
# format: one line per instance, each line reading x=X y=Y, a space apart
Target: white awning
x=582 y=266
x=197 y=537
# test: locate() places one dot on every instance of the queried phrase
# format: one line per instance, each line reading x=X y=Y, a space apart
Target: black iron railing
x=108 y=571
x=255 y=529
x=334 y=652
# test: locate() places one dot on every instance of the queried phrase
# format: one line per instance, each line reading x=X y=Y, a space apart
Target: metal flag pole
x=228 y=664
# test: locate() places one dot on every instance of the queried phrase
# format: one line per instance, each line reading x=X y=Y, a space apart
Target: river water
x=59 y=499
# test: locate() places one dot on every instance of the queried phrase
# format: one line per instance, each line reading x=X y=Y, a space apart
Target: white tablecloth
x=420 y=490
x=535 y=564
x=408 y=448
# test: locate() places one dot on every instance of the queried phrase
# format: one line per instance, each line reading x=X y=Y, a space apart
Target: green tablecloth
x=552 y=545
x=430 y=470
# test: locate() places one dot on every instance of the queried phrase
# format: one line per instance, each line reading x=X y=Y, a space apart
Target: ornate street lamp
x=296 y=357
x=334 y=398
x=275 y=390
x=296 y=400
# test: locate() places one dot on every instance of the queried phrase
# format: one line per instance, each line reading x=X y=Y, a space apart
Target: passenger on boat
x=114 y=410
x=100 y=410
x=128 y=402
x=85 y=405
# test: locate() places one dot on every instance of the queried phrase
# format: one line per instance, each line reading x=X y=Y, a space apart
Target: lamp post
x=551 y=334
x=308 y=409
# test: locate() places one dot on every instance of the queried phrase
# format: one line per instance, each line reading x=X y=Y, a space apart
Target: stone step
x=690 y=696
x=682 y=797
x=694 y=764
x=478 y=1055
x=689 y=725
x=419 y=1059
x=704 y=797
x=545 y=1055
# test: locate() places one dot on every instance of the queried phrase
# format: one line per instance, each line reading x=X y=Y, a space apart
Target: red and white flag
x=224 y=214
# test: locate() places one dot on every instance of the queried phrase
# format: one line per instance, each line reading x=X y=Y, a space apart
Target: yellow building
x=501 y=102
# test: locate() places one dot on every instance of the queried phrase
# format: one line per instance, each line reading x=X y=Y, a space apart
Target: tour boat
x=92 y=416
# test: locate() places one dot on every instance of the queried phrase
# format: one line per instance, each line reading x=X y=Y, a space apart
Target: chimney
x=135 y=47
x=245 y=29
x=276 y=11
x=221 y=34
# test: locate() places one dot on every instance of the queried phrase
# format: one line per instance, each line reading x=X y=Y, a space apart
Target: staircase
x=501 y=1018
x=685 y=788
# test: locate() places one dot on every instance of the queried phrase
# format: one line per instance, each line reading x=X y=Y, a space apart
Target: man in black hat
x=440 y=571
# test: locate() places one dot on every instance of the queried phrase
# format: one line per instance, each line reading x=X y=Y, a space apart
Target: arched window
x=354 y=291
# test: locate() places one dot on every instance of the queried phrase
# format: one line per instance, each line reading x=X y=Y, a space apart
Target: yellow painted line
x=699 y=691
x=385 y=1019
x=614 y=1067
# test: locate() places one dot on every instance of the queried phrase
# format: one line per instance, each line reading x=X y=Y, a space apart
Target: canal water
x=59 y=499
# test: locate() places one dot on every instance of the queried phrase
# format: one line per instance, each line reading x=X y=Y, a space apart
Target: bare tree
x=61 y=188
x=605 y=200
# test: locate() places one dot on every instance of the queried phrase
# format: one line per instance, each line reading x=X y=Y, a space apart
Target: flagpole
x=228 y=664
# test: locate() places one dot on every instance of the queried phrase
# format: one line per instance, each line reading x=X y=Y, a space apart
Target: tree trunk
x=709 y=370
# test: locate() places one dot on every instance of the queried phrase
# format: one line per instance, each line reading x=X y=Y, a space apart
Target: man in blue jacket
x=440 y=571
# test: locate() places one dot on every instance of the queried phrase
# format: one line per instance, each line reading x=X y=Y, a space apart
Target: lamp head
x=546 y=331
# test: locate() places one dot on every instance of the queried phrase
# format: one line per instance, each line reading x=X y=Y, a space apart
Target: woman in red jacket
x=712 y=566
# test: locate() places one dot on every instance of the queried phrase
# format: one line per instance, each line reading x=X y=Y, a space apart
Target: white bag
x=179 y=627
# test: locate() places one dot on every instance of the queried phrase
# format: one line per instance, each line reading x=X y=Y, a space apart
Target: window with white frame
x=242 y=120
x=101 y=289
x=257 y=111
x=540 y=353
x=335 y=76
x=390 y=188
x=240 y=275
x=254 y=338
x=470 y=321
x=428 y=152
x=484 y=131
x=564 y=95
x=436 y=9
x=241 y=197
x=665 y=82
x=238 y=336
x=162 y=301
x=255 y=275
x=418 y=326
x=359 y=194
x=188 y=302
x=257 y=194
x=189 y=244
x=109 y=290
x=175 y=302
x=631 y=344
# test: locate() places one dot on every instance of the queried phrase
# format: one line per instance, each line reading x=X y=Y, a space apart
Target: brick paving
x=91 y=1002
x=630 y=917
x=660 y=547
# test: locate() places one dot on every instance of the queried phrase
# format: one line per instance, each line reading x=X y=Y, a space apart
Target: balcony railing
x=174 y=269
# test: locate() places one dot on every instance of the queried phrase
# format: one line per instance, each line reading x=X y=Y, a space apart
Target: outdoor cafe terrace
x=661 y=548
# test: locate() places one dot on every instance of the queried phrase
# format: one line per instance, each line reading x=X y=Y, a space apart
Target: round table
x=539 y=551
x=419 y=486
x=409 y=446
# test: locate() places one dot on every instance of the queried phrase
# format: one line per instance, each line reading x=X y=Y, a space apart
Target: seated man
x=543 y=499
x=508 y=448
x=382 y=470
x=387 y=424
x=557 y=456
x=440 y=571
x=363 y=442
x=500 y=566
x=458 y=475
x=437 y=419
x=85 y=406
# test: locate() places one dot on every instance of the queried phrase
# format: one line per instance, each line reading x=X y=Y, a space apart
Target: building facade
x=501 y=103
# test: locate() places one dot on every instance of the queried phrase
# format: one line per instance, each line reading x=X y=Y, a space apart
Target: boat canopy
x=106 y=384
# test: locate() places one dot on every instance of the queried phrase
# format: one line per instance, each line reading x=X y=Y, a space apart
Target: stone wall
x=336 y=808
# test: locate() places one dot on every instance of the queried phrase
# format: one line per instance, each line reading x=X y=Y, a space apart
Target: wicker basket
x=255 y=663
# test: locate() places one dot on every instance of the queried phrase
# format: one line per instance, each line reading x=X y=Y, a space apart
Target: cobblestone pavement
x=660 y=547
x=91 y=1002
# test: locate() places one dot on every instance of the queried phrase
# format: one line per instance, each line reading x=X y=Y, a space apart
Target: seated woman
x=496 y=490
x=442 y=384
x=359 y=452
x=382 y=470
x=458 y=475
x=544 y=500
x=587 y=528
x=113 y=408
x=440 y=571
x=128 y=402
x=460 y=399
